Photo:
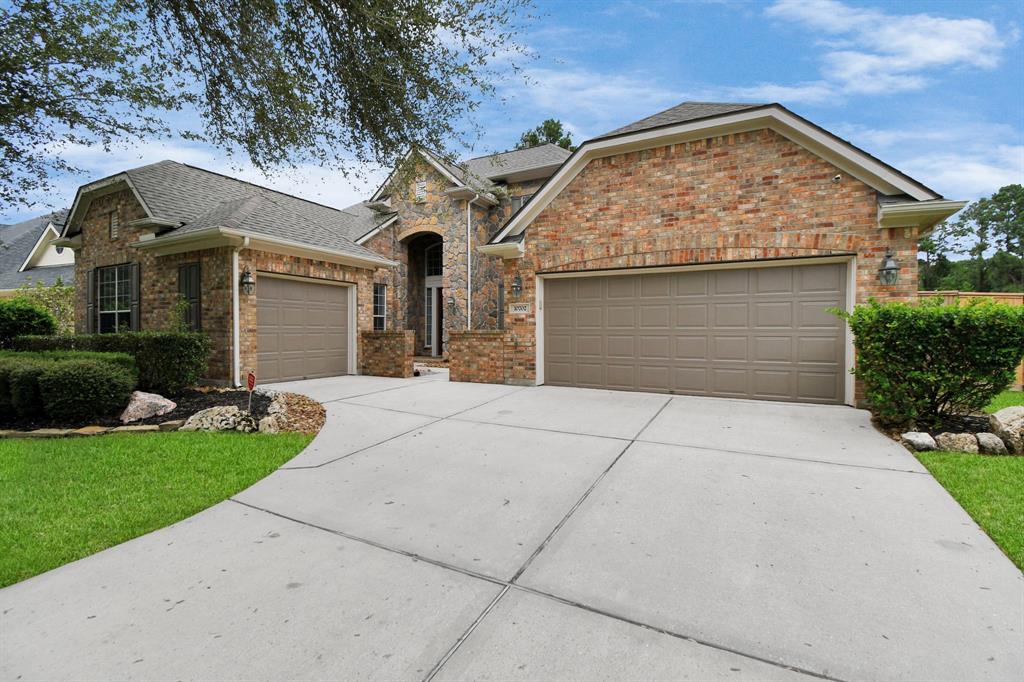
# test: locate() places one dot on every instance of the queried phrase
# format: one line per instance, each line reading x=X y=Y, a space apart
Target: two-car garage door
x=761 y=333
x=302 y=329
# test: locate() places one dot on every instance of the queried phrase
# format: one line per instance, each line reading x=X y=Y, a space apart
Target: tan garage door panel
x=749 y=333
x=302 y=329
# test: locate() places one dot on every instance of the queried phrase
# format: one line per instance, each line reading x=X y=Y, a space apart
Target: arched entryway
x=426 y=292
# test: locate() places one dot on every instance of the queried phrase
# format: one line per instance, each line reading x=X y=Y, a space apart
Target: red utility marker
x=250 y=383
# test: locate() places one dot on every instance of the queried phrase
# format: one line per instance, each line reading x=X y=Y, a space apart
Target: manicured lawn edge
x=1005 y=399
x=64 y=499
x=991 y=491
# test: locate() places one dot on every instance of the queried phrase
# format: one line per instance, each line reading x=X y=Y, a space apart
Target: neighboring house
x=28 y=255
x=695 y=251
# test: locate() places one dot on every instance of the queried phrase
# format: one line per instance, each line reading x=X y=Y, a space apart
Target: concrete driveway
x=437 y=530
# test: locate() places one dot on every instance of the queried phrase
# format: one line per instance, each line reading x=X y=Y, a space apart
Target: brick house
x=695 y=251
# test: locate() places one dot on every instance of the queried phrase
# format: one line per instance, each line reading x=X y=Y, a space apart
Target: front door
x=433 y=332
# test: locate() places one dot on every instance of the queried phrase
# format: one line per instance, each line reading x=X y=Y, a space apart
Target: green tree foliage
x=920 y=362
x=550 y=131
x=19 y=317
x=58 y=299
x=339 y=83
x=991 y=233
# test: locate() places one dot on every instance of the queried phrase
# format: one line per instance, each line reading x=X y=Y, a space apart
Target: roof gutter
x=921 y=214
x=504 y=250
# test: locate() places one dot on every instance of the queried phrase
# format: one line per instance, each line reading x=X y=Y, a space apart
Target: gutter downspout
x=469 y=262
x=236 y=324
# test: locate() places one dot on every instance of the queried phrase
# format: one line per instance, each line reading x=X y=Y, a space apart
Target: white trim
x=851 y=297
x=377 y=230
x=923 y=214
x=843 y=155
x=49 y=227
x=236 y=324
x=429 y=158
x=506 y=250
x=103 y=184
x=353 y=302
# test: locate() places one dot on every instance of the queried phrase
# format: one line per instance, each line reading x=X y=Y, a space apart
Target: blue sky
x=934 y=88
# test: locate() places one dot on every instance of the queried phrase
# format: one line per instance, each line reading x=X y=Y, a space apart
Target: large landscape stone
x=1008 y=424
x=991 y=444
x=145 y=405
x=221 y=418
x=918 y=440
x=957 y=442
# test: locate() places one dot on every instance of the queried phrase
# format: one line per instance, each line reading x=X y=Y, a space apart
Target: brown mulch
x=305 y=415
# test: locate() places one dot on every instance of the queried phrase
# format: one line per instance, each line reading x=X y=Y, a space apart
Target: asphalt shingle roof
x=199 y=199
x=17 y=242
x=503 y=164
x=681 y=113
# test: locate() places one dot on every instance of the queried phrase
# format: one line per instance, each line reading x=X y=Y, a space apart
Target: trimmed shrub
x=920 y=362
x=84 y=389
x=18 y=317
x=24 y=388
x=167 y=362
x=122 y=360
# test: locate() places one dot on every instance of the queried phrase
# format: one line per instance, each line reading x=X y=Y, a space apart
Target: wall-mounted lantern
x=517 y=286
x=889 y=270
x=248 y=282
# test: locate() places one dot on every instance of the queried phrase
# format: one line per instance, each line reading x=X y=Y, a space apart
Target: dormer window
x=421 y=190
x=112 y=224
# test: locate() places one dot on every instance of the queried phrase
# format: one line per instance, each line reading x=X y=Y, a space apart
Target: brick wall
x=387 y=353
x=477 y=356
x=159 y=276
x=747 y=196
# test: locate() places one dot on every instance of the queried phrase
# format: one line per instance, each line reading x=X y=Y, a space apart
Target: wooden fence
x=964 y=297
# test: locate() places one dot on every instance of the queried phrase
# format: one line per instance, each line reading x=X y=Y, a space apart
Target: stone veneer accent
x=387 y=353
x=477 y=356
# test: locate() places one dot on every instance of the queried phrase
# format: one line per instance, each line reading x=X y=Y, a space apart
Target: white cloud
x=631 y=9
x=869 y=51
x=814 y=92
x=968 y=174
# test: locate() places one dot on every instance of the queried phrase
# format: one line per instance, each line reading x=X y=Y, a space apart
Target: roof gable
x=655 y=132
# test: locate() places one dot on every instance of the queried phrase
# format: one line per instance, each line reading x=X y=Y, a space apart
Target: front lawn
x=1005 y=399
x=990 y=488
x=64 y=499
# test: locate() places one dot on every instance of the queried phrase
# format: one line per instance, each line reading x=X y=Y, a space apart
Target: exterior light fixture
x=248 y=282
x=517 y=286
x=889 y=270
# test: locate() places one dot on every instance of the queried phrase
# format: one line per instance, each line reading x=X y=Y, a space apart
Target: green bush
x=123 y=360
x=920 y=362
x=84 y=389
x=24 y=388
x=18 y=317
x=167 y=362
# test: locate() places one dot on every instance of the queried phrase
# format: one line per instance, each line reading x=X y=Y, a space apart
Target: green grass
x=64 y=499
x=1005 y=399
x=991 y=489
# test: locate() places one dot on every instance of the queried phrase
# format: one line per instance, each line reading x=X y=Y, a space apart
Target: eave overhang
x=470 y=194
x=505 y=250
x=921 y=214
x=220 y=236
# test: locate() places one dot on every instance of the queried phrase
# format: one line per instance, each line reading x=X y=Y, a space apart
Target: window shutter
x=189 y=286
x=136 y=282
x=90 y=302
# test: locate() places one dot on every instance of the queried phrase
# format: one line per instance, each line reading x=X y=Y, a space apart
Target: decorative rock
x=269 y=392
x=221 y=418
x=957 y=442
x=918 y=440
x=145 y=405
x=48 y=433
x=270 y=424
x=246 y=423
x=1008 y=424
x=172 y=425
x=91 y=430
x=991 y=444
x=136 y=428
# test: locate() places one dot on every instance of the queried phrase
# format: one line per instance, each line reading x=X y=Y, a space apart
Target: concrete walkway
x=438 y=530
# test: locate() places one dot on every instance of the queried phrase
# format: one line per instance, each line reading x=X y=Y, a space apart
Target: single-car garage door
x=761 y=333
x=303 y=329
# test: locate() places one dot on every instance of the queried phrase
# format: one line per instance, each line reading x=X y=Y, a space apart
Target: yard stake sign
x=250 y=383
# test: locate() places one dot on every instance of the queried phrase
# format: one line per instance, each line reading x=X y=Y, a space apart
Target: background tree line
x=990 y=233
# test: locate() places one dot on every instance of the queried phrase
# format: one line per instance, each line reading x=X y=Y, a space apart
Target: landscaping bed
x=189 y=402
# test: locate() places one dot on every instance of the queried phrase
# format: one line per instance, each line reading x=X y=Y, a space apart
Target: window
x=428 y=331
x=115 y=298
x=421 y=190
x=112 y=224
x=190 y=290
x=517 y=202
x=434 y=259
x=380 y=307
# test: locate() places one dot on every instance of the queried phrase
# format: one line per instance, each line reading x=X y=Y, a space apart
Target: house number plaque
x=519 y=308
